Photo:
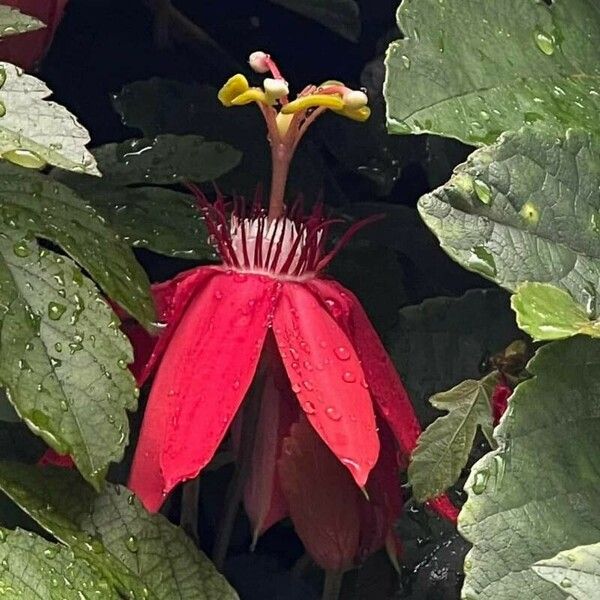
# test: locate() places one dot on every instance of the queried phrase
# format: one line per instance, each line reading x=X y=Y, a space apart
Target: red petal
x=203 y=377
x=385 y=384
x=263 y=498
x=171 y=298
x=322 y=499
x=327 y=379
x=27 y=49
x=500 y=396
x=380 y=513
x=444 y=508
x=53 y=458
x=387 y=389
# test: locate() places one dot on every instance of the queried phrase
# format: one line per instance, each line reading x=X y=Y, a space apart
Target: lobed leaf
x=443 y=448
x=525 y=209
x=142 y=555
x=575 y=571
x=14 y=22
x=472 y=70
x=63 y=358
x=36 y=204
x=32 y=568
x=549 y=313
x=537 y=495
x=34 y=131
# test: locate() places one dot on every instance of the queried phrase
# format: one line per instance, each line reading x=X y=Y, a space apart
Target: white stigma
x=258 y=62
x=355 y=99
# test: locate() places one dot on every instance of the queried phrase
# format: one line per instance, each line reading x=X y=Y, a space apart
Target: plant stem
x=281 y=158
x=190 y=501
x=333 y=585
x=235 y=490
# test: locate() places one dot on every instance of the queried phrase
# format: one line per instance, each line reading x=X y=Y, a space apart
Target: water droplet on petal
x=342 y=353
x=308 y=385
x=349 y=377
x=296 y=388
x=333 y=413
x=308 y=407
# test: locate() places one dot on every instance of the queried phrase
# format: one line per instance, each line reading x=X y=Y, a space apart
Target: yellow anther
x=356 y=114
x=233 y=88
x=251 y=95
x=313 y=100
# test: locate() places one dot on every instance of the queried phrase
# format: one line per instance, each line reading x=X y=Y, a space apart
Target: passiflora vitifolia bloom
x=334 y=422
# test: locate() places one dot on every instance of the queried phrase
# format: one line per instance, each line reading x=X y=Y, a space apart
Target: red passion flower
x=266 y=347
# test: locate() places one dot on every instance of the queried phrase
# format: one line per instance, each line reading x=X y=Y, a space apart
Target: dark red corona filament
x=290 y=246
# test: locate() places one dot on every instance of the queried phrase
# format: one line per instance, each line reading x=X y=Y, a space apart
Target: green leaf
x=35 y=203
x=443 y=341
x=165 y=159
x=525 y=209
x=575 y=571
x=159 y=219
x=549 y=313
x=35 y=132
x=470 y=70
x=538 y=493
x=133 y=549
x=341 y=16
x=63 y=358
x=444 y=447
x=14 y=22
x=32 y=568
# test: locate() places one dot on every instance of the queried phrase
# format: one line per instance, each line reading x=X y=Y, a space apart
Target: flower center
x=289 y=247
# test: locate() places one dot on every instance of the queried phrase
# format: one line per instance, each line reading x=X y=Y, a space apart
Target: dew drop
x=296 y=388
x=56 y=310
x=308 y=385
x=131 y=543
x=405 y=61
x=566 y=583
x=21 y=249
x=349 y=377
x=483 y=191
x=122 y=363
x=480 y=481
x=308 y=407
x=2 y=109
x=545 y=42
x=24 y=158
x=342 y=353
x=333 y=413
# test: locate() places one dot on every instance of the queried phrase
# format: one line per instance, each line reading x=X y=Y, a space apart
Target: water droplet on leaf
x=545 y=42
